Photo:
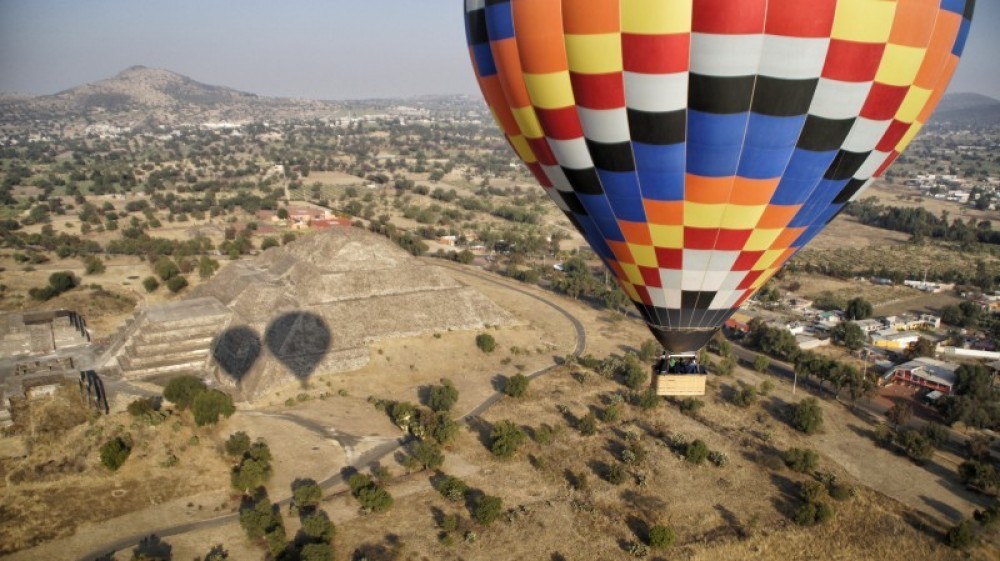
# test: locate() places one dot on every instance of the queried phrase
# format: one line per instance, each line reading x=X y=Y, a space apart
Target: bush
x=142 y=406
x=543 y=434
x=636 y=374
x=841 y=492
x=316 y=551
x=646 y=400
x=440 y=427
x=766 y=387
x=690 y=405
x=374 y=498
x=697 y=452
x=209 y=405
x=718 y=459
x=306 y=493
x=960 y=537
x=238 y=444
x=486 y=342
x=488 y=509
x=443 y=397
x=177 y=284
x=506 y=438
x=182 y=390
x=761 y=363
x=616 y=475
x=661 y=537
x=807 y=416
x=166 y=269
x=917 y=446
x=426 y=455
x=587 y=425
x=800 y=460
x=114 y=452
x=150 y=284
x=452 y=488
x=250 y=474
x=745 y=396
x=516 y=385
x=93 y=265
x=268 y=242
x=611 y=413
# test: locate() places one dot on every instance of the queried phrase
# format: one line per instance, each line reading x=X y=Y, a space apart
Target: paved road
x=369 y=458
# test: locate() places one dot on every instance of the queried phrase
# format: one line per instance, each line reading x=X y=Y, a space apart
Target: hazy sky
x=323 y=49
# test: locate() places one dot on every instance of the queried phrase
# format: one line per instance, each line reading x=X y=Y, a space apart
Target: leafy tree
x=488 y=509
x=426 y=455
x=166 y=269
x=745 y=396
x=921 y=347
x=800 y=460
x=636 y=375
x=980 y=474
x=317 y=526
x=848 y=334
x=486 y=342
x=238 y=444
x=761 y=363
x=899 y=414
x=505 y=439
x=142 y=406
x=268 y=243
x=316 y=552
x=661 y=537
x=858 y=309
x=649 y=350
x=177 y=284
x=93 y=265
x=207 y=267
x=250 y=474
x=646 y=400
x=516 y=385
x=439 y=426
x=452 y=488
x=209 y=405
x=443 y=397
x=62 y=282
x=697 y=452
x=306 y=493
x=916 y=445
x=587 y=424
x=150 y=284
x=182 y=390
x=114 y=452
x=807 y=416
x=960 y=536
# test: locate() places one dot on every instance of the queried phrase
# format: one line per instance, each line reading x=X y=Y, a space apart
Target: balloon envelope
x=698 y=144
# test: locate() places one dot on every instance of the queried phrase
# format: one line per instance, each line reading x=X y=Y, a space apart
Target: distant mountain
x=967 y=110
x=146 y=97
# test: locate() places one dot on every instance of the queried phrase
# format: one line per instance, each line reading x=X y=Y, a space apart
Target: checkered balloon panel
x=698 y=144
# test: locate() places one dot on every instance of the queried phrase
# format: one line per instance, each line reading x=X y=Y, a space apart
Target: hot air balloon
x=698 y=144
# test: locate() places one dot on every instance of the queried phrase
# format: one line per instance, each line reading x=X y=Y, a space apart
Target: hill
x=967 y=110
x=141 y=97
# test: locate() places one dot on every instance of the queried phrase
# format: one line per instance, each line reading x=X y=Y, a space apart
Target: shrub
x=636 y=375
x=486 y=342
x=443 y=397
x=238 y=444
x=488 y=509
x=268 y=242
x=166 y=269
x=807 y=416
x=634 y=453
x=960 y=537
x=440 y=427
x=452 y=488
x=841 y=492
x=718 y=459
x=745 y=396
x=761 y=363
x=691 y=405
x=917 y=446
x=697 y=452
x=505 y=438
x=316 y=551
x=646 y=400
x=182 y=390
x=209 y=405
x=306 y=493
x=611 y=413
x=142 y=406
x=587 y=425
x=114 y=452
x=150 y=284
x=616 y=474
x=93 y=265
x=800 y=460
x=766 y=387
x=250 y=474
x=374 y=498
x=516 y=385
x=177 y=284
x=543 y=434
x=426 y=455
x=661 y=537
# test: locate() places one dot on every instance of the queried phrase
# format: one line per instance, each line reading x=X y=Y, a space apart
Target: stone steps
x=143 y=348
x=146 y=337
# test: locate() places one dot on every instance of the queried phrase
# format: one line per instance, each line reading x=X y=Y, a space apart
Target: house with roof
x=923 y=372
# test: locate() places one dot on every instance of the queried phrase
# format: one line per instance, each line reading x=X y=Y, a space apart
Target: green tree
x=150 y=284
x=587 y=425
x=801 y=460
x=207 y=267
x=177 y=284
x=209 y=405
x=426 y=455
x=848 y=334
x=268 y=242
x=182 y=390
x=960 y=536
x=250 y=474
x=316 y=552
x=306 y=493
x=63 y=281
x=899 y=414
x=661 y=537
x=858 y=309
x=166 y=269
x=93 y=265
x=452 y=488
x=807 y=416
x=238 y=444
x=488 y=509
x=761 y=363
x=516 y=385
x=486 y=342
x=696 y=452
x=505 y=439
x=443 y=397
x=114 y=452
x=317 y=525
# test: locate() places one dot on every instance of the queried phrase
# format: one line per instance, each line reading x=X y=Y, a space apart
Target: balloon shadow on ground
x=299 y=340
x=236 y=350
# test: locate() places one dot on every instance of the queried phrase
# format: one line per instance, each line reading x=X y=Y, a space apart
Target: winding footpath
x=370 y=457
